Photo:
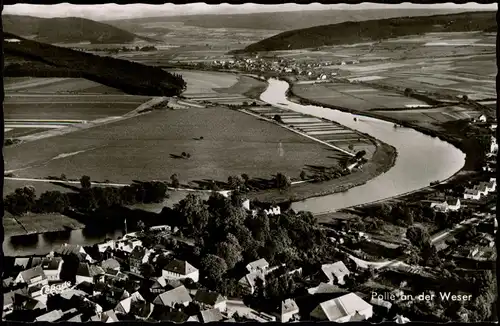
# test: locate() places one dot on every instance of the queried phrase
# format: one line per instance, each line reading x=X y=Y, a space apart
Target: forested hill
x=67 y=30
x=53 y=61
x=374 y=30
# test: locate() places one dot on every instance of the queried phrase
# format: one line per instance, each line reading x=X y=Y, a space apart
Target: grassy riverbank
x=382 y=160
x=38 y=223
x=450 y=132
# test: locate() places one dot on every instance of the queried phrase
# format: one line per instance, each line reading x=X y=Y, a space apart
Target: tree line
x=87 y=199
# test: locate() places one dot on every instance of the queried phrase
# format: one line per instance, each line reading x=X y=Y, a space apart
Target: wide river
x=421 y=159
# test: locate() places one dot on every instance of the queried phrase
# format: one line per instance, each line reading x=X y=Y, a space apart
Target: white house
x=32 y=277
x=451 y=204
x=481 y=188
x=258 y=266
x=472 y=194
x=52 y=268
x=288 y=311
x=481 y=118
x=273 y=211
x=346 y=308
x=399 y=319
x=490 y=186
x=179 y=270
x=335 y=272
x=108 y=244
x=494 y=145
x=128 y=245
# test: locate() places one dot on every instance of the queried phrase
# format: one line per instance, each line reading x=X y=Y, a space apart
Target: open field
x=449 y=67
x=327 y=131
x=152 y=143
x=51 y=106
x=57 y=85
x=353 y=96
x=432 y=115
x=34 y=105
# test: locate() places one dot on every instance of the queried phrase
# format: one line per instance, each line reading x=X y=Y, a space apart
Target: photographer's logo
x=56 y=288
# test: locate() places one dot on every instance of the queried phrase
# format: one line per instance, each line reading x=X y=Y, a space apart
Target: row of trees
x=89 y=198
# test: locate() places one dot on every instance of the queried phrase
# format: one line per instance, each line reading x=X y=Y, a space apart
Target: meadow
x=149 y=147
x=57 y=85
x=356 y=97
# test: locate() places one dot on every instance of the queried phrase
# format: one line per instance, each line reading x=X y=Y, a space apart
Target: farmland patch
x=152 y=144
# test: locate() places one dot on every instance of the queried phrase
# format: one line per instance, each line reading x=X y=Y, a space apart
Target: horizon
x=134 y=11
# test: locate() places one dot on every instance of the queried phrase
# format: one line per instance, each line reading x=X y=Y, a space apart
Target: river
x=421 y=160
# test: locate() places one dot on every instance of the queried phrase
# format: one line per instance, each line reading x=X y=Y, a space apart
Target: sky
x=114 y=11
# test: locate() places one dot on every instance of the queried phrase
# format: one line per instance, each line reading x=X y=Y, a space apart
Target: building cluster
x=320 y=70
x=108 y=284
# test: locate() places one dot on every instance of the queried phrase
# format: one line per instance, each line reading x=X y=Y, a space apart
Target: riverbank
x=382 y=160
x=38 y=223
x=450 y=133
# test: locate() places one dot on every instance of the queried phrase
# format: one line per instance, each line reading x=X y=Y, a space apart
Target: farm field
x=74 y=107
x=153 y=142
x=34 y=105
x=353 y=96
x=432 y=115
x=327 y=131
x=57 y=86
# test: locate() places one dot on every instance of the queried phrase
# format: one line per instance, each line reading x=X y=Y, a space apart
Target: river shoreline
x=470 y=158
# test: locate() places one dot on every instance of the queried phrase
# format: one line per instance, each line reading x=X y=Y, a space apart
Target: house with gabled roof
x=32 y=277
x=258 y=266
x=343 y=309
x=105 y=317
x=210 y=300
x=138 y=256
x=210 y=315
x=162 y=284
x=482 y=189
x=180 y=270
x=51 y=316
x=125 y=305
x=170 y=298
x=288 y=311
x=472 y=194
x=178 y=317
x=335 y=272
x=141 y=309
x=52 y=268
x=22 y=301
x=89 y=273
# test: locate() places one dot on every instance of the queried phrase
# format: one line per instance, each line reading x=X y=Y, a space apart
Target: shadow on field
x=175 y=156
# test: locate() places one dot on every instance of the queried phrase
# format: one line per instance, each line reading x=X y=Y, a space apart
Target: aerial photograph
x=263 y=163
